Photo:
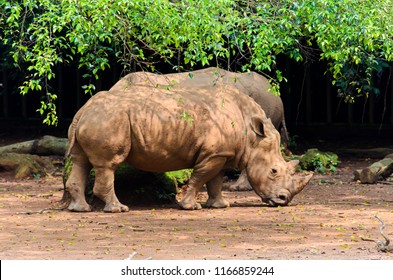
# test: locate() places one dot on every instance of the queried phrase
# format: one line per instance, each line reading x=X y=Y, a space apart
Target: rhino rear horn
x=301 y=182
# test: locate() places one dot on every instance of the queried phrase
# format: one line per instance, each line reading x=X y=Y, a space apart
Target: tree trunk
x=47 y=145
x=376 y=171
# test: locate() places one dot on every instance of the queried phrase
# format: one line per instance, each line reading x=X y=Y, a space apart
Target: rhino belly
x=158 y=161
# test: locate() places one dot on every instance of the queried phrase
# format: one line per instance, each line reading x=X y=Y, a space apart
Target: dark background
x=313 y=108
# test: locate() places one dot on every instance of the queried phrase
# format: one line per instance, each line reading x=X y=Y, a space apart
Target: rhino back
x=250 y=83
x=174 y=129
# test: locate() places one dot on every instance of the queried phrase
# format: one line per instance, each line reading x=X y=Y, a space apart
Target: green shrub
x=322 y=162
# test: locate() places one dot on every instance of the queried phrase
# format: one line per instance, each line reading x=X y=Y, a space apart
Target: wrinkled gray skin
x=155 y=128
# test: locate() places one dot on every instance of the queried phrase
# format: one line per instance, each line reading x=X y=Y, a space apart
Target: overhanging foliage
x=354 y=37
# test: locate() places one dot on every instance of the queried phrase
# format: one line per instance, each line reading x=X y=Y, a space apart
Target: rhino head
x=271 y=177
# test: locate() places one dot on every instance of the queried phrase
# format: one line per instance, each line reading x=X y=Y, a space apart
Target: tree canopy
x=353 y=37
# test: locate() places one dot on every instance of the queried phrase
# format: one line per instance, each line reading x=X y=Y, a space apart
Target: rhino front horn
x=301 y=182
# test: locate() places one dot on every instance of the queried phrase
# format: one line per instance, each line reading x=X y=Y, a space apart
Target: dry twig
x=29 y=212
x=382 y=246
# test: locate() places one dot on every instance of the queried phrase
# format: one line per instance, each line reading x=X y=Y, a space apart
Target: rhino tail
x=284 y=134
x=71 y=135
x=74 y=124
x=72 y=128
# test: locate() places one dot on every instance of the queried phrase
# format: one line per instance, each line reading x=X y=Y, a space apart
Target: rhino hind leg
x=76 y=185
x=242 y=183
x=77 y=181
x=104 y=190
x=214 y=187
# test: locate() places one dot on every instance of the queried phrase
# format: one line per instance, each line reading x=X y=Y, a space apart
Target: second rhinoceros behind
x=207 y=128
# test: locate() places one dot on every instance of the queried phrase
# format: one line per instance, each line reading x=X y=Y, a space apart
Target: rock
x=25 y=165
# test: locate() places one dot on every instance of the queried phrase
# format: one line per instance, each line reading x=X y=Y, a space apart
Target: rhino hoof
x=118 y=208
x=217 y=203
x=194 y=206
x=75 y=207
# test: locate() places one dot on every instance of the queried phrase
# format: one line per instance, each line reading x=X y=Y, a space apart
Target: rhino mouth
x=277 y=201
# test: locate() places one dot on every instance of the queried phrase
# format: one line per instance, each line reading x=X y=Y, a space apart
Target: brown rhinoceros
x=250 y=83
x=208 y=128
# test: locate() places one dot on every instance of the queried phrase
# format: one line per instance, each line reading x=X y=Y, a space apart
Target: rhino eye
x=274 y=171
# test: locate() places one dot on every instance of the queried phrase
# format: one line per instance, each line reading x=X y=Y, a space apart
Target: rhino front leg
x=104 y=190
x=203 y=172
x=214 y=187
x=189 y=200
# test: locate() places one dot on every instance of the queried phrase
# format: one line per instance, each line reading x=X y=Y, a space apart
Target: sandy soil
x=325 y=221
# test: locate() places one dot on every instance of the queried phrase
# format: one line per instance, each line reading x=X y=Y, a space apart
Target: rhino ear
x=263 y=127
x=292 y=166
x=257 y=126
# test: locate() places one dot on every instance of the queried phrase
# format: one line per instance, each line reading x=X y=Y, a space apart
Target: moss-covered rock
x=322 y=162
x=25 y=165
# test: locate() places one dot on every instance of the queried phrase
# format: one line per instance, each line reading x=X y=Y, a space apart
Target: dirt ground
x=325 y=221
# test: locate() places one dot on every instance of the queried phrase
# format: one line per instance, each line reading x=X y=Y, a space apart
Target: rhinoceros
x=161 y=128
x=249 y=83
